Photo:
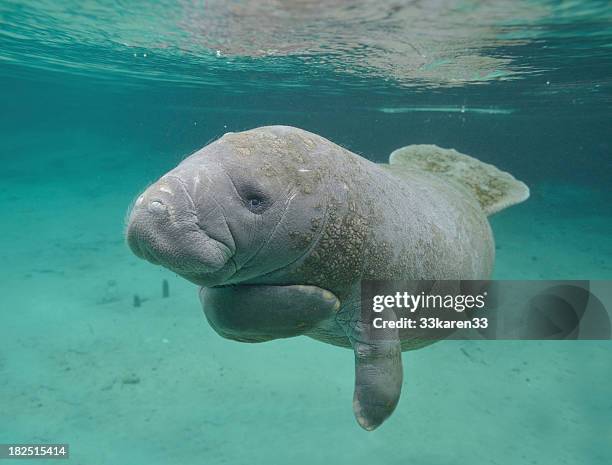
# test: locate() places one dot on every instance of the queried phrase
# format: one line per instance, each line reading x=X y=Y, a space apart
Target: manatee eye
x=256 y=204
x=253 y=195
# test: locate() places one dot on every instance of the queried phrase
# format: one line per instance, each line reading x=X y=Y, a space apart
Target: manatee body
x=279 y=226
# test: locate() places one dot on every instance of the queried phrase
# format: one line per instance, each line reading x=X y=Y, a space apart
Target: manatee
x=279 y=226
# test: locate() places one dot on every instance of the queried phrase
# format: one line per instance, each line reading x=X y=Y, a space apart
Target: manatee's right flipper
x=378 y=370
x=262 y=313
x=493 y=188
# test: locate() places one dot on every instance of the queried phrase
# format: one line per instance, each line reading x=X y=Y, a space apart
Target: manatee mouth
x=193 y=254
x=212 y=278
x=143 y=252
x=164 y=229
x=202 y=256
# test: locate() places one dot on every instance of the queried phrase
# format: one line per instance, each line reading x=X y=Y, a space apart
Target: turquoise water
x=99 y=99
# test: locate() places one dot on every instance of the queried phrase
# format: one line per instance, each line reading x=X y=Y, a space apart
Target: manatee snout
x=165 y=228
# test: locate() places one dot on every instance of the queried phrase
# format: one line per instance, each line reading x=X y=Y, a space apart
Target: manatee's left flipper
x=378 y=370
x=261 y=313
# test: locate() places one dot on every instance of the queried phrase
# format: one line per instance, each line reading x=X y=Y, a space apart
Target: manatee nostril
x=156 y=206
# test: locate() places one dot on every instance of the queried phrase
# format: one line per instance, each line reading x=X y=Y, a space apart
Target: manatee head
x=241 y=209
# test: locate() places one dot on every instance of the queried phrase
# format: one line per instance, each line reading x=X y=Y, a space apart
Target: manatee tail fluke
x=494 y=189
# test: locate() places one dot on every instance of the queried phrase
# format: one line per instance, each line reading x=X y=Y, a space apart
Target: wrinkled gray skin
x=279 y=226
